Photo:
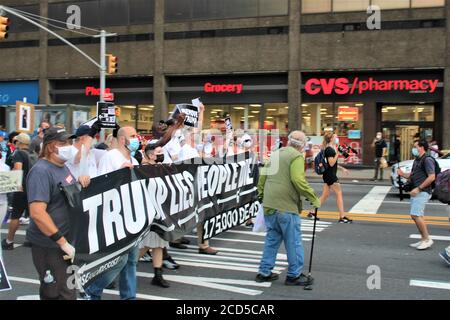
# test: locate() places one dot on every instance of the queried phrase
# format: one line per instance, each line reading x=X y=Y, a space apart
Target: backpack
x=437 y=169
x=320 y=163
x=442 y=187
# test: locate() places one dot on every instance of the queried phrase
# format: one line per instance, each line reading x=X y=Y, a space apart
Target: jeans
x=283 y=226
x=126 y=267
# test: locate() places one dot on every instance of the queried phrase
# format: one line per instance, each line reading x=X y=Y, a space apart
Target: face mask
x=247 y=144
x=415 y=152
x=159 y=158
x=133 y=146
x=67 y=153
x=336 y=141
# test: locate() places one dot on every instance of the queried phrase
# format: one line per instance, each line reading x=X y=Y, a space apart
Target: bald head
x=297 y=139
x=125 y=134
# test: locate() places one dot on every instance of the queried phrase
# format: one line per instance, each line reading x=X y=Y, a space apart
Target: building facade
x=270 y=64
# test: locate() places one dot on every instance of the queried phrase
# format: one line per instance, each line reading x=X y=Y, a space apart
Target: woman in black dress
x=330 y=179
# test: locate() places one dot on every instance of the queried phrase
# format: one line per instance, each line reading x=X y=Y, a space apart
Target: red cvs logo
x=327 y=86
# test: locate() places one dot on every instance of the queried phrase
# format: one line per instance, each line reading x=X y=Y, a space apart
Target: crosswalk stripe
x=438 y=238
x=107 y=291
x=216 y=266
x=224 y=264
x=430 y=284
x=207 y=284
x=372 y=201
x=237 y=240
x=222 y=257
x=281 y=256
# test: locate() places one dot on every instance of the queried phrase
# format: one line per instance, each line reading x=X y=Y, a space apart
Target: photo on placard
x=24 y=117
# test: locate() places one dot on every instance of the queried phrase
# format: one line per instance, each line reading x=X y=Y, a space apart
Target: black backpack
x=437 y=169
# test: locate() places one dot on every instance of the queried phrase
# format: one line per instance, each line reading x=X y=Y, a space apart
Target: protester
x=330 y=179
x=3 y=199
x=83 y=162
x=11 y=145
x=380 y=152
x=433 y=147
x=35 y=144
x=3 y=145
x=281 y=194
x=153 y=241
x=51 y=252
x=115 y=159
x=20 y=160
x=158 y=131
x=421 y=178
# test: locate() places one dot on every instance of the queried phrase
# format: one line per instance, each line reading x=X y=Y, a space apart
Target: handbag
x=383 y=163
x=259 y=225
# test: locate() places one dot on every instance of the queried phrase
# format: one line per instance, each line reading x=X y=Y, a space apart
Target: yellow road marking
x=390 y=218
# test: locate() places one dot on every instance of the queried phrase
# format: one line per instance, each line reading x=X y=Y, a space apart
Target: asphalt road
x=346 y=258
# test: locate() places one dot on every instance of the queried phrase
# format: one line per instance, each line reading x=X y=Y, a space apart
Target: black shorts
x=330 y=180
x=19 y=204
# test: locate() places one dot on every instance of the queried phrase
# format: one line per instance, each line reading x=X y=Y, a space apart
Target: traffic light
x=4 y=27
x=112 y=64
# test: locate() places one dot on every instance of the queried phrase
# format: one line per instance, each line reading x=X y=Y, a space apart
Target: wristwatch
x=56 y=236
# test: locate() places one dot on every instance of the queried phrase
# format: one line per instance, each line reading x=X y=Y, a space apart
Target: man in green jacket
x=281 y=185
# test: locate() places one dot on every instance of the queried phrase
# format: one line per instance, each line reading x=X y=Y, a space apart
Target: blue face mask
x=415 y=152
x=133 y=146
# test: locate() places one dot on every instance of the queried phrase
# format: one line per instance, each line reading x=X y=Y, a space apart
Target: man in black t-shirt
x=20 y=160
x=380 y=152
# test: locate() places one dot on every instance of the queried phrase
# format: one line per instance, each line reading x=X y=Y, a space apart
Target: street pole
x=102 y=65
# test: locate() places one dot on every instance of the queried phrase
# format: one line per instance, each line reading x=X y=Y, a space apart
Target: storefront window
x=139 y=117
x=389 y=4
x=277 y=117
x=408 y=113
x=345 y=119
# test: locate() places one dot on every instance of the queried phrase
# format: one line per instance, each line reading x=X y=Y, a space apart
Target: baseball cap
x=57 y=134
x=83 y=130
x=23 y=138
x=3 y=134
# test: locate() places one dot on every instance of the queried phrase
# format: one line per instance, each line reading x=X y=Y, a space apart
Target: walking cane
x=310 y=279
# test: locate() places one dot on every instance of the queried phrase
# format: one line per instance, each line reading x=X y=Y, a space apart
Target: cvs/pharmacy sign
x=344 y=86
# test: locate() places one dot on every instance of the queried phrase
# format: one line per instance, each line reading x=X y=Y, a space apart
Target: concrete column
x=294 y=77
x=446 y=103
x=44 y=86
x=160 y=100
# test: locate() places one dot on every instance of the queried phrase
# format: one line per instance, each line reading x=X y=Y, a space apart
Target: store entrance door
x=406 y=135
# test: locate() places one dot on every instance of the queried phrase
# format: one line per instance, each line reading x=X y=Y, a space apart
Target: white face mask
x=67 y=153
x=336 y=140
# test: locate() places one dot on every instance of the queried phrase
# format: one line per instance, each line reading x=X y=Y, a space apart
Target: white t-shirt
x=112 y=161
x=93 y=159
x=187 y=152
x=3 y=198
x=171 y=149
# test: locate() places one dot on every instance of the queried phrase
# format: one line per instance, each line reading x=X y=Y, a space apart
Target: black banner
x=118 y=209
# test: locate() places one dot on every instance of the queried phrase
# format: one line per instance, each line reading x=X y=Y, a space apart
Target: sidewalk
x=354 y=176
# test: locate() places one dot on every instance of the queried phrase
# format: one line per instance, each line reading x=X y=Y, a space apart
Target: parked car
x=406 y=166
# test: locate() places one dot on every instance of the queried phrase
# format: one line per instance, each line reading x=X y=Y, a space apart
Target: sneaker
x=271 y=277
x=6 y=245
x=170 y=264
x=84 y=296
x=146 y=258
x=23 y=220
x=415 y=245
x=444 y=255
x=301 y=280
x=425 y=244
x=345 y=220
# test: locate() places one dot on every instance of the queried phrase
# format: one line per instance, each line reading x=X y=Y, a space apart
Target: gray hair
x=297 y=139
